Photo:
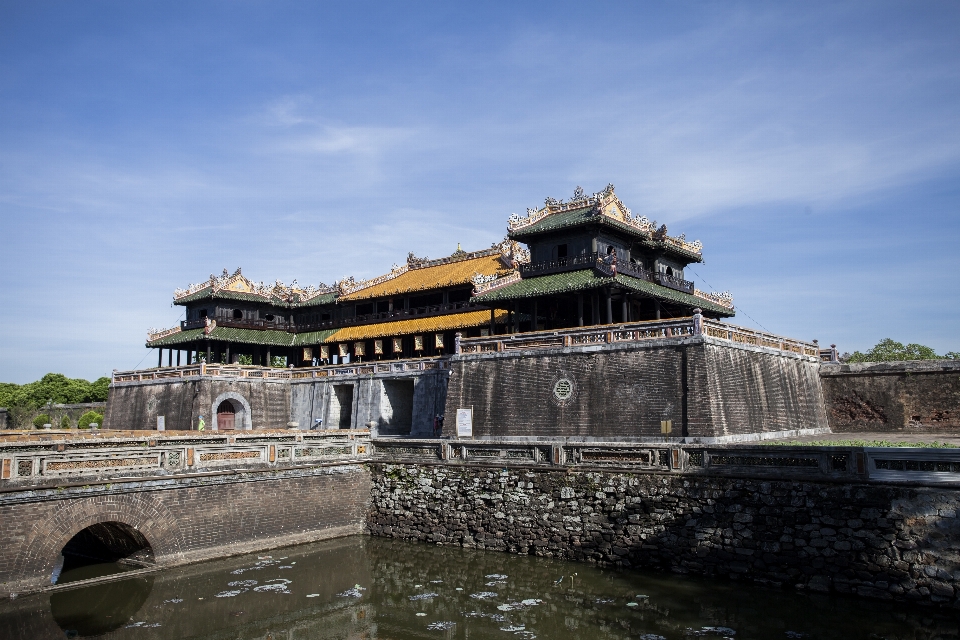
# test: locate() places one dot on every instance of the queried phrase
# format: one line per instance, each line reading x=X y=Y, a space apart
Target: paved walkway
x=901 y=436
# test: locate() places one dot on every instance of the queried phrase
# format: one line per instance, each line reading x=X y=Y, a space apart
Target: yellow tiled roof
x=417 y=325
x=441 y=275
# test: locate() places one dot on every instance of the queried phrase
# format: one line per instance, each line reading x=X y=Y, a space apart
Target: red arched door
x=226 y=416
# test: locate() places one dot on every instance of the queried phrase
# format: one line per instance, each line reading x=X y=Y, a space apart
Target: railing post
x=456 y=342
x=697 y=322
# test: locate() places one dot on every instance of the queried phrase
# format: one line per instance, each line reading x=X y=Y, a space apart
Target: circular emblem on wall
x=564 y=389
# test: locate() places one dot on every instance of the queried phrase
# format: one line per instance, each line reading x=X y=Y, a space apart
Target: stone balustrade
x=854 y=464
x=51 y=457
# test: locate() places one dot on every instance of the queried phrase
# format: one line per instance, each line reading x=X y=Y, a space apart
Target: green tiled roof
x=227 y=334
x=572 y=218
x=317 y=300
x=584 y=216
x=245 y=336
x=587 y=279
x=312 y=337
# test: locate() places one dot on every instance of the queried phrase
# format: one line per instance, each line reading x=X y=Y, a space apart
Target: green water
x=370 y=588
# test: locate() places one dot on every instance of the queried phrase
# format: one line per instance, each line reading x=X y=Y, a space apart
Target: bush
x=89 y=417
x=41 y=420
x=65 y=422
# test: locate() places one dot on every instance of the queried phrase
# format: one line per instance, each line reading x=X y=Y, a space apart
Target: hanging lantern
x=344 y=350
x=418 y=343
x=378 y=347
x=358 y=348
x=398 y=345
x=438 y=341
x=325 y=352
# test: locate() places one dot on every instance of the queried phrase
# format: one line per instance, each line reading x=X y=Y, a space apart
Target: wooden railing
x=244 y=371
x=635 y=332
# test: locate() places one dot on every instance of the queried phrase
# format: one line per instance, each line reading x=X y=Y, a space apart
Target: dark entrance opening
x=342 y=406
x=102 y=549
x=396 y=407
x=226 y=416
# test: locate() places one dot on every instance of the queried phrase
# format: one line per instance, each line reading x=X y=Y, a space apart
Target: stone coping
x=65 y=435
x=897 y=367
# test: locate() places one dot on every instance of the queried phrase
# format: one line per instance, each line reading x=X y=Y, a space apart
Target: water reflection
x=373 y=588
x=95 y=610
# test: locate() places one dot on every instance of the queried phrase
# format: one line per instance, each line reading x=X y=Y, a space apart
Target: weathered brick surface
x=871 y=540
x=921 y=396
x=136 y=406
x=626 y=391
x=184 y=520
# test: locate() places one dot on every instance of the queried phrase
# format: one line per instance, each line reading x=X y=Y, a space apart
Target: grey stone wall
x=706 y=388
x=395 y=403
x=878 y=541
x=921 y=396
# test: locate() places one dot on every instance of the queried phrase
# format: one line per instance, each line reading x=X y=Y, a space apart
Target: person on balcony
x=611 y=259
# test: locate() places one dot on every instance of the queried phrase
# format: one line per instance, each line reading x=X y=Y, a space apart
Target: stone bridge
x=162 y=500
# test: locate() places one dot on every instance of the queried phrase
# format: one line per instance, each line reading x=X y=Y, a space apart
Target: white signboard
x=465 y=423
x=161 y=423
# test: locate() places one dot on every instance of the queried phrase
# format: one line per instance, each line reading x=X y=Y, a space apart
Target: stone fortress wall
x=893 y=397
x=709 y=390
x=878 y=541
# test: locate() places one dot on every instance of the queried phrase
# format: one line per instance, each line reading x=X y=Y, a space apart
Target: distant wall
x=895 y=397
x=56 y=413
x=707 y=389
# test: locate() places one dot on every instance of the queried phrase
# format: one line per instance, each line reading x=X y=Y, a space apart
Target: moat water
x=371 y=588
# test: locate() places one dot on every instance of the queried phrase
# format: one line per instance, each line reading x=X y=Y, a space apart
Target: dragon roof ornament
x=237 y=283
x=603 y=203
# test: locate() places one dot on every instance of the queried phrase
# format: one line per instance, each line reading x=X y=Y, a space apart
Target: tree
x=19 y=414
x=65 y=422
x=41 y=420
x=88 y=418
x=888 y=350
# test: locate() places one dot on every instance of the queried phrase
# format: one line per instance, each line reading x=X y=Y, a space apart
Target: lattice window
x=24 y=467
x=229 y=455
x=174 y=459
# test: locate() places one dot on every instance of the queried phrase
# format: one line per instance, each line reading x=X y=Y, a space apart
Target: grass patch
x=863 y=443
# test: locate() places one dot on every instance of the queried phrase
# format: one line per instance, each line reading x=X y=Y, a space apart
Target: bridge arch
x=140 y=517
x=243 y=417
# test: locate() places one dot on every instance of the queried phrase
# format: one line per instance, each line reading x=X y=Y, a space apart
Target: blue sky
x=814 y=148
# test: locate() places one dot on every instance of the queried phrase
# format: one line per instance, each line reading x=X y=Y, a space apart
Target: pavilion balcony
x=371 y=318
x=597 y=262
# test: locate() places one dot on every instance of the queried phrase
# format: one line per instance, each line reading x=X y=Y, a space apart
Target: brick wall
x=893 y=397
x=183 y=519
x=719 y=389
x=137 y=405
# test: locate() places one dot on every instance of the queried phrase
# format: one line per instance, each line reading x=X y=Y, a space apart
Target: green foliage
x=888 y=350
x=278 y=361
x=56 y=388
x=245 y=359
x=41 y=420
x=89 y=417
x=65 y=422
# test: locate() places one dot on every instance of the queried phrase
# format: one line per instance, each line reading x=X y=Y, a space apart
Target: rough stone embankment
x=878 y=541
